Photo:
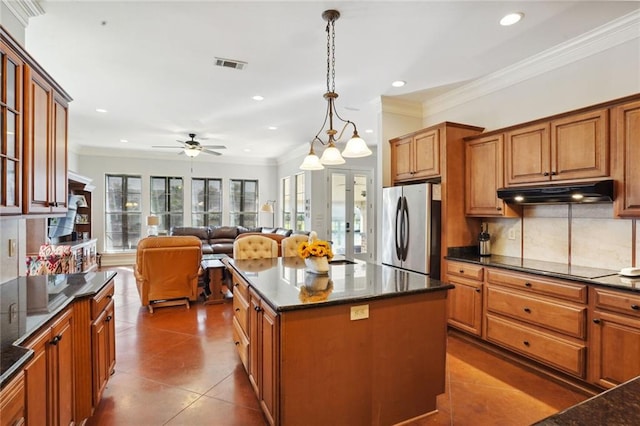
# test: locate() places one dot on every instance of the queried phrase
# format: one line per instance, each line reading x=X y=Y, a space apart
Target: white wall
x=96 y=167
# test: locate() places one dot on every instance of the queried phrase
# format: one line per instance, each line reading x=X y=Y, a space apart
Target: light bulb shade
x=267 y=208
x=331 y=156
x=356 y=148
x=191 y=152
x=153 y=220
x=311 y=162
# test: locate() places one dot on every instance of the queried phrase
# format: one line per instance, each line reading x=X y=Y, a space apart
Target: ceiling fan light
x=356 y=147
x=191 y=152
x=311 y=162
x=331 y=156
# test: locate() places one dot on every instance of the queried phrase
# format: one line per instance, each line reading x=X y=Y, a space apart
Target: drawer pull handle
x=596 y=321
x=236 y=343
x=526 y=343
x=257 y=308
x=527 y=284
x=478 y=290
x=236 y=285
x=56 y=339
x=635 y=307
x=498 y=208
x=545 y=174
x=237 y=309
x=461 y=271
x=109 y=296
x=527 y=310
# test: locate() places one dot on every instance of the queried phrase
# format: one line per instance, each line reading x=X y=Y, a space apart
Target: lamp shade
x=331 y=156
x=267 y=208
x=192 y=152
x=311 y=162
x=153 y=220
x=356 y=148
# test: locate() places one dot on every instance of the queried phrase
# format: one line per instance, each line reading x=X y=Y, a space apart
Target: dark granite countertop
x=285 y=285
x=595 y=276
x=618 y=406
x=28 y=303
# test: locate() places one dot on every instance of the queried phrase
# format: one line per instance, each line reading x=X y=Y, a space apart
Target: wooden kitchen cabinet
x=533 y=317
x=49 y=376
x=626 y=137
x=416 y=156
x=465 y=300
x=45 y=142
x=103 y=340
x=241 y=322
x=483 y=177
x=264 y=357
x=615 y=337
x=12 y=402
x=11 y=108
x=574 y=147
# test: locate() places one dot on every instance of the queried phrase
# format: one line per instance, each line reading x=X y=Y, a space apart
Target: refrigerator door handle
x=406 y=230
x=398 y=230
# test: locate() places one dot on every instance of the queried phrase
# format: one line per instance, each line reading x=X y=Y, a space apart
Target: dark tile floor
x=179 y=367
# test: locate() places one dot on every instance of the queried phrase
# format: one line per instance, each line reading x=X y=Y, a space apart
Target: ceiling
x=151 y=64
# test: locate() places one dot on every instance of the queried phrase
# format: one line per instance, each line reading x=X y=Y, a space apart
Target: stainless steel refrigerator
x=411 y=228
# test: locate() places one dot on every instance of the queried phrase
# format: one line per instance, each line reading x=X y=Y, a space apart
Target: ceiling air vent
x=230 y=63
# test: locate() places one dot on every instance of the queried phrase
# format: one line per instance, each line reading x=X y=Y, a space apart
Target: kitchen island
x=364 y=345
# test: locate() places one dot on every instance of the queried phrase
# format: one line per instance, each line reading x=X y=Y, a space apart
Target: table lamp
x=152 y=225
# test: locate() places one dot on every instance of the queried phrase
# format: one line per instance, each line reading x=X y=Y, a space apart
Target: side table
x=215 y=271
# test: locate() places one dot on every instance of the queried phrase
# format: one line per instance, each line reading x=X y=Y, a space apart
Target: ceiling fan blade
x=208 y=151
x=163 y=146
x=214 y=146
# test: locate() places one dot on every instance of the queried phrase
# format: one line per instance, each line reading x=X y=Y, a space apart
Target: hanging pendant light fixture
x=356 y=146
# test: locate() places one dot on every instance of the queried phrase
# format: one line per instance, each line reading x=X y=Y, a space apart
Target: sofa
x=219 y=239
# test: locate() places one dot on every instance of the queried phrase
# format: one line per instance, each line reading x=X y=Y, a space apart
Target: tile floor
x=179 y=367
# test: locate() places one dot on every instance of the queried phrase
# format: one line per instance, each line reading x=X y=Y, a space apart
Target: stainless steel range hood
x=583 y=192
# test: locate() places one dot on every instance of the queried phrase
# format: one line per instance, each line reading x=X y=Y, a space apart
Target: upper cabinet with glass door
x=11 y=87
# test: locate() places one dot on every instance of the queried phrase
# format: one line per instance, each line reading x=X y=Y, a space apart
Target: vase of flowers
x=316 y=254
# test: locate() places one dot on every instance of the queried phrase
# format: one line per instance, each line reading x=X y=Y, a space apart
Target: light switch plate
x=359 y=312
x=12 y=247
x=512 y=234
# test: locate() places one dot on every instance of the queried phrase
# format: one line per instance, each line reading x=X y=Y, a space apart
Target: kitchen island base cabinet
x=380 y=370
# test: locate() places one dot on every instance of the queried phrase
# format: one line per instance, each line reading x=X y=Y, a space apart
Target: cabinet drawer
x=242 y=343
x=240 y=285
x=240 y=307
x=566 y=319
x=531 y=283
x=617 y=301
x=467 y=270
x=12 y=402
x=101 y=300
x=559 y=353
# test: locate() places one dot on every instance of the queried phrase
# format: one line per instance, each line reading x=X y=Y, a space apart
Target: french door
x=350 y=207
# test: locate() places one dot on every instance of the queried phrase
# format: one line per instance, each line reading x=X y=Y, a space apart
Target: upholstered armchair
x=167 y=270
x=289 y=245
x=254 y=247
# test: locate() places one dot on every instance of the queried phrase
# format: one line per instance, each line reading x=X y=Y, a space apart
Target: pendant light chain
x=331 y=56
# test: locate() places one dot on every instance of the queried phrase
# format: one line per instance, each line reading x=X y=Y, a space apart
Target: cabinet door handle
x=545 y=174
x=56 y=339
x=478 y=290
x=237 y=309
x=236 y=285
x=554 y=173
x=109 y=296
x=527 y=310
x=635 y=307
x=109 y=318
x=596 y=321
x=527 y=284
x=236 y=343
x=461 y=271
x=526 y=343
x=257 y=308
x=498 y=208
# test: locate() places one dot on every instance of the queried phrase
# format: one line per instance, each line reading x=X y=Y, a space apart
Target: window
x=206 y=202
x=286 y=203
x=167 y=200
x=244 y=203
x=123 y=215
x=300 y=202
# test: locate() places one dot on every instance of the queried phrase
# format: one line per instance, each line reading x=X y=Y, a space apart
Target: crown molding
x=613 y=33
x=24 y=9
x=402 y=107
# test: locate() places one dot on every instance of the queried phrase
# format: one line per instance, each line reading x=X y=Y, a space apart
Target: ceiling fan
x=193 y=148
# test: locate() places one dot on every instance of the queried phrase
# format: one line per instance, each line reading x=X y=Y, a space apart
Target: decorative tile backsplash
x=580 y=234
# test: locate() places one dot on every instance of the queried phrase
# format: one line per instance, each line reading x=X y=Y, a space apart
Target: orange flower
x=318 y=248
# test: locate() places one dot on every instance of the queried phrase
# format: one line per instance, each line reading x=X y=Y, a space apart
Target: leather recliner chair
x=167 y=270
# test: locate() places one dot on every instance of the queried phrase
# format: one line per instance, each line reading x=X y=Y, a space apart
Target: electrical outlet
x=12 y=247
x=512 y=234
x=359 y=312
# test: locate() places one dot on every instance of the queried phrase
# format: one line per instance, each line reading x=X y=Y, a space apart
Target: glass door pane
x=338 y=213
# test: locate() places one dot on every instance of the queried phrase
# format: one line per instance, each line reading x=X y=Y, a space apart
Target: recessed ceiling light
x=101 y=110
x=368 y=131
x=511 y=18
x=258 y=98
x=246 y=150
x=398 y=83
x=124 y=141
x=272 y=128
